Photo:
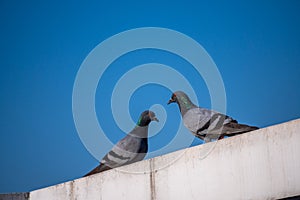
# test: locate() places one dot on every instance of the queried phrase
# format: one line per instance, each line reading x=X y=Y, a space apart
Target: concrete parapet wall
x=263 y=164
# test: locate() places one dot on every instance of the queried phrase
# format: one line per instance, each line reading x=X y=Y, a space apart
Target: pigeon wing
x=201 y=121
x=123 y=152
x=197 y=118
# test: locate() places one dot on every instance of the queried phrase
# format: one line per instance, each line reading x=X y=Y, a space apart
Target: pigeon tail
x=234 y=128
x=98 y=169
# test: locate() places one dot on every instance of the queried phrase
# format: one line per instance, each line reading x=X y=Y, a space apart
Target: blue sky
x=255 y=45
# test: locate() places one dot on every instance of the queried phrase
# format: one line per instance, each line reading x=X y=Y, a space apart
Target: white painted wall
x=263 y=164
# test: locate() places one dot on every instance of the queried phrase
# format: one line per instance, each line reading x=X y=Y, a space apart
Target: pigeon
x=206 y=124
x=132 y=148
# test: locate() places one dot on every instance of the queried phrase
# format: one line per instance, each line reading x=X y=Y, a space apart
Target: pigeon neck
x=140 y=132
x=185 y=104
x=143 y=122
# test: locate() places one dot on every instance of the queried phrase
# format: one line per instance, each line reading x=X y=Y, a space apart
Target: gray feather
x=206 y=124
x=132 y=148
x=201 y=122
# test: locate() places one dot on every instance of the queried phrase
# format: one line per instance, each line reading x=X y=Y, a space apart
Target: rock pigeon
x=206 y=124
x=131 y=148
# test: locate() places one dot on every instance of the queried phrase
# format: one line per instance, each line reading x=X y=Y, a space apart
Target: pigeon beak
x=154 y=119
x=170 y=101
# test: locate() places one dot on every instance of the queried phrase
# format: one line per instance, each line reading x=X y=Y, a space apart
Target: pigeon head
x=173 y=98
x=146 y=117
x=179 y=97
x=182 y=100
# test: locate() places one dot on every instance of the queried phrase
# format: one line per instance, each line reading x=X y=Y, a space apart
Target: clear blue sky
x=255 y=44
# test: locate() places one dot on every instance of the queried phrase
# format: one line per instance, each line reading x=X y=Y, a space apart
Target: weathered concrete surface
x=263 y=164
x=112 y=184
x=15 y=196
